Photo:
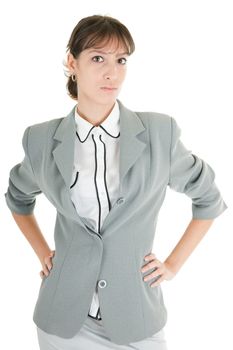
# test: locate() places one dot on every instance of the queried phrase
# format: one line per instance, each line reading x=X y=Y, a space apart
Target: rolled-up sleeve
x=191 y=175
x=22 y=188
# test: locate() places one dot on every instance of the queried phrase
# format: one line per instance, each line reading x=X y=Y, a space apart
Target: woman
x=105 y=169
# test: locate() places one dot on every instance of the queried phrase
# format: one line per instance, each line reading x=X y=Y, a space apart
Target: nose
x=111 y=71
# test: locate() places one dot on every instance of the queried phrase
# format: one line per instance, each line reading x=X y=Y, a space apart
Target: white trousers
x=92 y=336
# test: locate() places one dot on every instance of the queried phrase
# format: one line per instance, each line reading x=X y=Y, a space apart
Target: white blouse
x=95 y=180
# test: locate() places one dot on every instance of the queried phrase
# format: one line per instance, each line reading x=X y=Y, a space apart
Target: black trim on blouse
x=115 y=137
x=96 y=188
x=76 y=178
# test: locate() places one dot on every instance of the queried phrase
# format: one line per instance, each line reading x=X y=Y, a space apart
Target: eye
x=95 y=57
x=123 y=59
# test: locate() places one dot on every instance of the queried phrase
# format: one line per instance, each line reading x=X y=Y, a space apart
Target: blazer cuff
x=19 y=207
x=207 y=213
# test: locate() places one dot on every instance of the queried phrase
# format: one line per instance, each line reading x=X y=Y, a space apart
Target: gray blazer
x=152 y=157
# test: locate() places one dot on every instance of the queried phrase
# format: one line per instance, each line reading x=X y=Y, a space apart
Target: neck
x=94 y=113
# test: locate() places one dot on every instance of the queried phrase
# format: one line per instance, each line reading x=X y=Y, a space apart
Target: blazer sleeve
x=22 y=188
x=191 y=175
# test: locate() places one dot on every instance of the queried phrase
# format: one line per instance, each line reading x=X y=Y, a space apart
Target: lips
x=108 y=88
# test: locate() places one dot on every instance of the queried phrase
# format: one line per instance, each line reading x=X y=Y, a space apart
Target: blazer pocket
x=76 y=178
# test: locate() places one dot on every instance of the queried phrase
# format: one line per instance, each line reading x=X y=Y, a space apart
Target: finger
x=158 y=271
x=50 y=266
x=46 y=270
x=149 y=256
x=155 y=284
x=48 y=263
x=150 y=265
x=152 y=275
x=48 y=258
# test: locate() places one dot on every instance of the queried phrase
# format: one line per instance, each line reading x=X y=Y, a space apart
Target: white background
x=182 y=66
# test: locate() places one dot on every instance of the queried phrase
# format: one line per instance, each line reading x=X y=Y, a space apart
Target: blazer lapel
x=130 y=149
x=130 y=146
x=64 y=151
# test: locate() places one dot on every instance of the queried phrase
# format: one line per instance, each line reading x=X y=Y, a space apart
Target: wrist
x=171 y=266
x=43 y=253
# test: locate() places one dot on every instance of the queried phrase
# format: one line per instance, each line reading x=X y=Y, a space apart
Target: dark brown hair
x=91 y=31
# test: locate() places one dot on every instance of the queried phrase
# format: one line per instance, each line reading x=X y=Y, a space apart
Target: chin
x=107 y=99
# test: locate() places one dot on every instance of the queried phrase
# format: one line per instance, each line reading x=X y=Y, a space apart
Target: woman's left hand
x=162 y=271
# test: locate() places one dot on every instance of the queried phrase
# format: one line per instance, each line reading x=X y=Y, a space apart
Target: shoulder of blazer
x=40 y=133
x=156 y=122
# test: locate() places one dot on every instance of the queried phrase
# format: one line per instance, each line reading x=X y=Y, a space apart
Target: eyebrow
x=105 y=53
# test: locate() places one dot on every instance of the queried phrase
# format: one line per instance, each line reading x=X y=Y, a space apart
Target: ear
x=71 y=62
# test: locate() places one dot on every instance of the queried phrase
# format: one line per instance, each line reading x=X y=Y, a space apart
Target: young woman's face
x=98 y=68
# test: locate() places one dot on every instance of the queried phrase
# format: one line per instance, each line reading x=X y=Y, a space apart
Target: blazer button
x=102 y=283
x=120 y=200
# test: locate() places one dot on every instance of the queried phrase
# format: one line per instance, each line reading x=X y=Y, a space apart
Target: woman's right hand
x=47 y=264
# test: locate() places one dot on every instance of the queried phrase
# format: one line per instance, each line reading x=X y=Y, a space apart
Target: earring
x=73 y=77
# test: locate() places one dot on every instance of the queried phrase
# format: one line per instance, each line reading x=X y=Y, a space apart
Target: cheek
x=122 y=75
x=87 y=80
x=123 y=71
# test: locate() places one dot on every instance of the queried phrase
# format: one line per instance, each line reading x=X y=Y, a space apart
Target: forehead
x=109 y=48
